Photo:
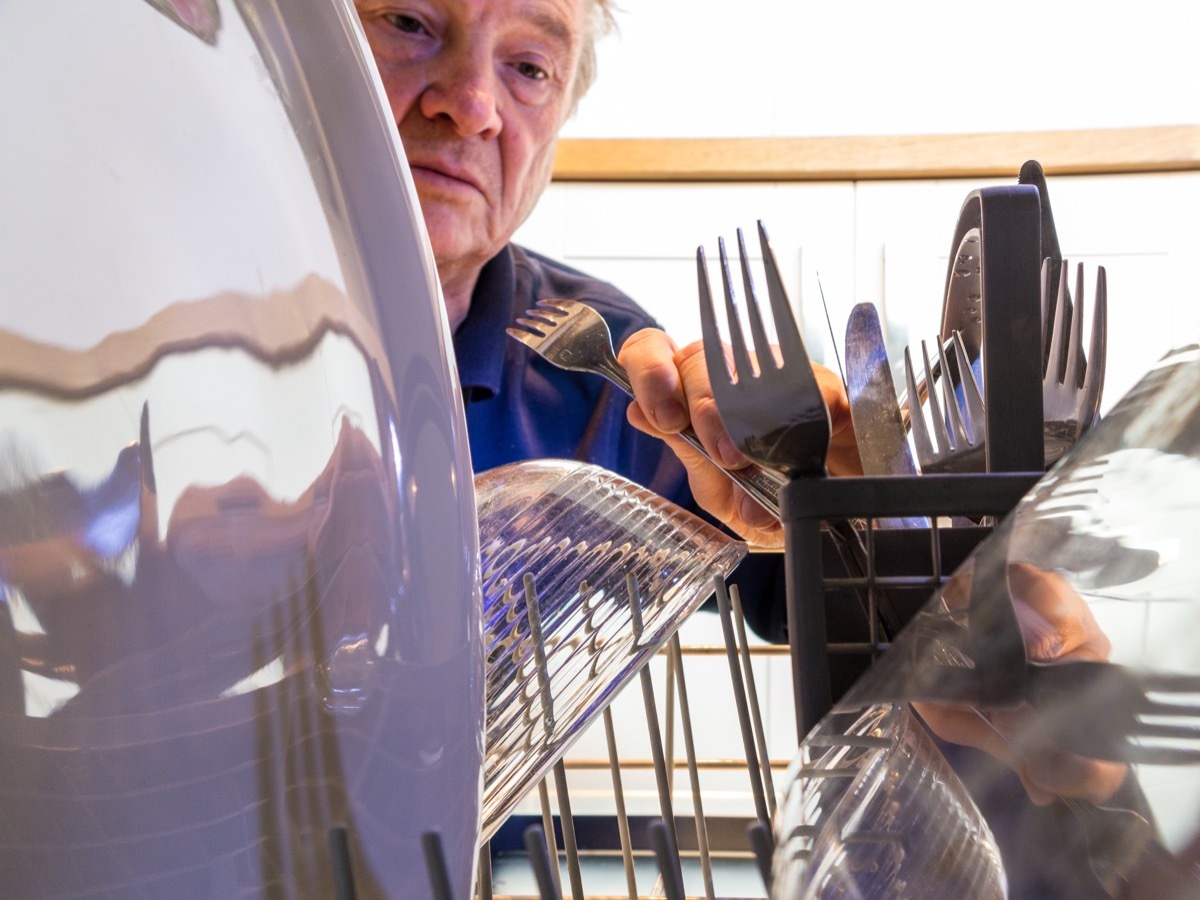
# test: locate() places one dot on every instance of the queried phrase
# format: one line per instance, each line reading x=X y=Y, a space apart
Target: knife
x=874 y=409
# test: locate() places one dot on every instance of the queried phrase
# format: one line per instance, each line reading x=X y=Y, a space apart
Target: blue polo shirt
x=521 y=407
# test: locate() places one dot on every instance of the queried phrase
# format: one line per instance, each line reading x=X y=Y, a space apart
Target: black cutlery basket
x=837 y=624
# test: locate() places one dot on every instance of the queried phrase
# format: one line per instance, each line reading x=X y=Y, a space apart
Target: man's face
x=479 y=89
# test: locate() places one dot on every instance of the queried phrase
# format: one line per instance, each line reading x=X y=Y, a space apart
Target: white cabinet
x=643 y=238
x=885 y=242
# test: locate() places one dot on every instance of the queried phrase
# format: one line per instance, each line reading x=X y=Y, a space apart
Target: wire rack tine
x=760 y=735
x=539 y=859
x=661 y=773
x=484 y=881
x=689 y=745
x=343 y=873
x=550 y=836
x=614 y=764
x=567 y=821
x=435 y=865
x=739 y=699
x=763 y=844
x=667 y=853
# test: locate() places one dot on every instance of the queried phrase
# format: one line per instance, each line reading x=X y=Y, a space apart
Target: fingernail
x=669 y=415
x=730 y=455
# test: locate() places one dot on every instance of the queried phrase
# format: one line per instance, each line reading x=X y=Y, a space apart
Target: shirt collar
x=480 y=341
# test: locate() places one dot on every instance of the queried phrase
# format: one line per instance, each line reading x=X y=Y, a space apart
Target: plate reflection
x=239 y=588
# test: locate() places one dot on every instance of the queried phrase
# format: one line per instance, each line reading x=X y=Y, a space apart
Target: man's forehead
x=559 y=20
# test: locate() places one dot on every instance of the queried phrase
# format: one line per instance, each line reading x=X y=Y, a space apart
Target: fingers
x=1056 y=622
x=672 y=392
x=648 y=357
x=1046 y=771
x=1059 y=773
x=715 y=492
x=843 y=456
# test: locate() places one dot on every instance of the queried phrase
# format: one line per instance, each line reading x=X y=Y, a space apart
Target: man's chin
x=450 y=232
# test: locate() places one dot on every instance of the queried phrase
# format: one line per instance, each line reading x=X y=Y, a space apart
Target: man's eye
x=532 y=72
x=404 y=23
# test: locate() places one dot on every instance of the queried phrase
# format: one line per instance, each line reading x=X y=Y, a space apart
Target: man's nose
x=463 y=90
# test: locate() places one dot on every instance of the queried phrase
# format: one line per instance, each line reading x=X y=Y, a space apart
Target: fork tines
x=955 y=433
x=542 y=318
x=770 y=401
x=1072 y=382
x=1064 y=329
x=1107 y=711
x=790 y=344
x=1168 y=731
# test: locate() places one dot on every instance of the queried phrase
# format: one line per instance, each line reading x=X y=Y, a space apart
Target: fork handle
x=763 y=485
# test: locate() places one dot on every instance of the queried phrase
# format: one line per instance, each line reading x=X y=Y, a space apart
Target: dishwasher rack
x=676 y=849
x=901 y=567
x=850 y=583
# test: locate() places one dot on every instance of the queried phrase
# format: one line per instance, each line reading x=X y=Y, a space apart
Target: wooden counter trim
x=1100 y=151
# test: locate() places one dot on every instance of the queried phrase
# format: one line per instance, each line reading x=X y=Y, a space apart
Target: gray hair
x=600 y=21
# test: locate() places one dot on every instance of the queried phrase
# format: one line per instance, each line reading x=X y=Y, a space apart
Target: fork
x=1118 y=713
x=1072 y=384
x=574 y=336
x=756 y=394
x=1100 y=710
x=958 y=441
x=774 y=411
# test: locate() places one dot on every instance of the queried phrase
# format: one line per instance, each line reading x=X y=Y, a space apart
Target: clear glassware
x=1058 y=667
x=871 y=808
x=584 y=535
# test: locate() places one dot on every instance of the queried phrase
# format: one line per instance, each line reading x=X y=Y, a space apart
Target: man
x=479 y=90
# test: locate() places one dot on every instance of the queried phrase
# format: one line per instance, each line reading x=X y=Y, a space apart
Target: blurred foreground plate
x=239 y=600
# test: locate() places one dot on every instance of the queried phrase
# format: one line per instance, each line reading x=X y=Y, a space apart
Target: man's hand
x=1058 y=626
x=672 y=390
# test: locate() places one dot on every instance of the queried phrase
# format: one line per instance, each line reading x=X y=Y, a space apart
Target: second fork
x=773 y=409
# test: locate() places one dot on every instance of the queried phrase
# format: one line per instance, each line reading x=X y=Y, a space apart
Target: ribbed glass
x=585 y=535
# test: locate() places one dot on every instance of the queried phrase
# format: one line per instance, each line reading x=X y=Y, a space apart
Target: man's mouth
x=446 y=176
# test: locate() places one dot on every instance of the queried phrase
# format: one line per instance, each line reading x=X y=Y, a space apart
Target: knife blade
x=874 y=409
